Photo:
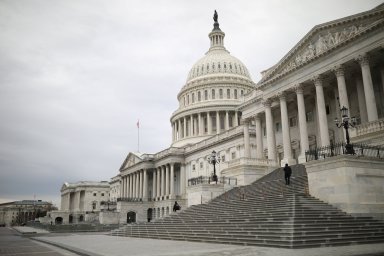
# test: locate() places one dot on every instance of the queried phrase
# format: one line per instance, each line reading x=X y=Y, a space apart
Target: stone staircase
x=265 y=213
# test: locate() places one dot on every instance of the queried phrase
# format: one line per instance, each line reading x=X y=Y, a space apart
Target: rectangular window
x=94 y=194
x=193 y=98
x=293 y=121
x=221 y=93
x=235 y=94
x=233 y=155
x=188 y=100
x=213 y=94
x=193 y=167
x=205 y=95
x=223 y=158
x=241 y=93
x=309 y=116
x=228 y=93
x=201 y=165
x=199 y=96
x=102 y=194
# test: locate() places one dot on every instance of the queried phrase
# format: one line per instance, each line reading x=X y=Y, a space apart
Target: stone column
x=368 y=88
x=158 y=182
x=271 y=140
x=141 y=184
x=191 y=127
x=236 y=119
x=209 y=123
x=343 y=95
x=361 y=99
x=286 y=134
x=133 y=185
x=185 y=128
x=179 y=130
x=121 y=190
x=217 y=122
x=145 y=185
x=322 y=115
x=172 y=192
x=259 y=138
x=182 y=179
x=226 y=120
x=154 y=181
x=200 y=125
x=247 y=150
x=173 y=132
x=163 y=181
x=137 y=185
x=304 y=144
x=166 y=180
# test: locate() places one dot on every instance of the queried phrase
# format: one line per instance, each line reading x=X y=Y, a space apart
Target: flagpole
x=138 y=135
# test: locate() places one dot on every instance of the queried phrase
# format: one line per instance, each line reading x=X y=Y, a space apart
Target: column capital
x=318 y=80
x=338 y=70
x=267 y=102
x=281 y=95
x=298 y=88
x=363 y=59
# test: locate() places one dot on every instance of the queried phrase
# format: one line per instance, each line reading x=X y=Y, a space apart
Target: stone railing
x=169 y=151
x=252 y=161
x=367 y=128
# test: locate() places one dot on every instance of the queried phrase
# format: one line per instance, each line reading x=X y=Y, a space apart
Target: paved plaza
x=103 y=244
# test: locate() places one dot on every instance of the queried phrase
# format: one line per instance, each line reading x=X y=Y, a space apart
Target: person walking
x=176 y=206
x=288 y=172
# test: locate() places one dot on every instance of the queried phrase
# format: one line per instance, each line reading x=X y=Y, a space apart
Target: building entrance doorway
x=59 y=220
x=131 y=217
x=149 y=214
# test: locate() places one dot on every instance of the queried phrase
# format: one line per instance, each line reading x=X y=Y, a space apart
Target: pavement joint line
x=66 y=247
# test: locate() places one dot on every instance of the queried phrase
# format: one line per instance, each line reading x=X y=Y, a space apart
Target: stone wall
x=109 y=217
x=351 y=183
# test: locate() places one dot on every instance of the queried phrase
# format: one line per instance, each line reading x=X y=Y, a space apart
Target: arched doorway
x=131 y=217
x=81 y=218
x=59 y=220
x=71 y=218
x=149 y=214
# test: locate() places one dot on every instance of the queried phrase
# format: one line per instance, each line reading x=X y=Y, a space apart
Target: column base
x=289 y=161
x=302 y=159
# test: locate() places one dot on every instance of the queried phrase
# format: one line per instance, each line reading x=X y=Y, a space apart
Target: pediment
x=130 y=160
x=323 y=39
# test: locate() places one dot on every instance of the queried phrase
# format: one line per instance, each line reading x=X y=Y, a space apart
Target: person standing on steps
x=288 y=172
x=176 y=206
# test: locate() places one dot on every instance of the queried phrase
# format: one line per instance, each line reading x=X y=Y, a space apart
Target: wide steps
x=265 y=213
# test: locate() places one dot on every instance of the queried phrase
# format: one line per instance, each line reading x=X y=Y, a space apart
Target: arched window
x=199 y=96
x=235 y=93
x=228 y=93
x=221 y=93
x=193 y=97
x=206 y=95
x=213 y=94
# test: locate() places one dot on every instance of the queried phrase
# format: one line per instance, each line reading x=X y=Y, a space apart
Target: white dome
x=216 y=62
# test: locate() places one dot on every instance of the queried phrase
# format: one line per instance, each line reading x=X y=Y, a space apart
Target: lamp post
x=214 y=159
x=346 y=124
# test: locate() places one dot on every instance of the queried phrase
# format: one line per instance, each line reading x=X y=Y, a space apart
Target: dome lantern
x=216 y=36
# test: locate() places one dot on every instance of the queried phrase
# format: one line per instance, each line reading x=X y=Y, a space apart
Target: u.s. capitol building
x=257 y=127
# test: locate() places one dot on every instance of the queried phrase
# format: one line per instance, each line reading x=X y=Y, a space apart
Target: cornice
x=292 y=66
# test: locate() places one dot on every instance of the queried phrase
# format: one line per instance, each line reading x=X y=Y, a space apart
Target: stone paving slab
x=101 y=244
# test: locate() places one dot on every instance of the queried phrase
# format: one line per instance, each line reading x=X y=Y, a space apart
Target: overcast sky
x=76 y=75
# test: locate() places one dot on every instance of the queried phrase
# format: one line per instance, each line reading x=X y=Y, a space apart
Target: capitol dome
x=215 y=87
x=216 y=62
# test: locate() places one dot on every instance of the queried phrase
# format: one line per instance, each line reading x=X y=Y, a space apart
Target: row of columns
x=367 y=106
x=135 y=185
x=197 y=125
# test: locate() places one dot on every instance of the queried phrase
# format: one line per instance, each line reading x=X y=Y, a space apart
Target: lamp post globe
x=346 y=125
